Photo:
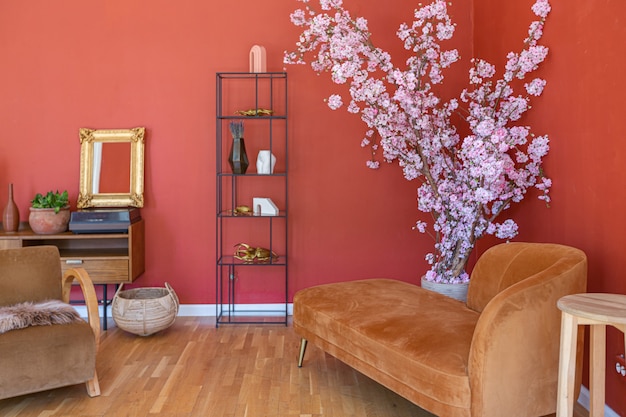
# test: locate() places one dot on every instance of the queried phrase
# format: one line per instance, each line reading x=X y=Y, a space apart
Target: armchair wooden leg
x=303 y=343
x=93 y=386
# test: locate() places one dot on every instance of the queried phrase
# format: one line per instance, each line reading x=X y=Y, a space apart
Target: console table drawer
x=101 y=271
x=109 y=258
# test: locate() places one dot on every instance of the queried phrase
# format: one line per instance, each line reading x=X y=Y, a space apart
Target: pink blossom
x=485 y=127
x=538 y=148
x=535 y=31
x=506 y=230
x=444 y=31
x=535 y=87
x=541 y=8
x=328 y=4
x=334 y=101
x=298 y=17
x=420 y=226
x=484 y=69
x=466 y=182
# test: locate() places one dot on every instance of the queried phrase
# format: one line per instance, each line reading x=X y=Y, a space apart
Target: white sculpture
x=264 y=206
x=265 y=162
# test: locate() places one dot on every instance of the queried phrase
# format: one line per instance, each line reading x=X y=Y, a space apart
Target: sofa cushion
x=65 y=355
x=503 y=265
x=30 y=274
x=409 y=339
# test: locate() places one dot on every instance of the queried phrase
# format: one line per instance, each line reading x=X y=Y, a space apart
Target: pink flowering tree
x=466 y=182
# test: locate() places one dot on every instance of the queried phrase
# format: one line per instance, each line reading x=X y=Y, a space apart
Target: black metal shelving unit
x=237 y=279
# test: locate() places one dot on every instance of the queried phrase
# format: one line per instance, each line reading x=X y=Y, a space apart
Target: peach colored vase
x=44 y=221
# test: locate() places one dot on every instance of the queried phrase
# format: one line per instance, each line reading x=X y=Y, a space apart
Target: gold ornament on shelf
x=246 y=253
x=255 y=112
x=242 y=211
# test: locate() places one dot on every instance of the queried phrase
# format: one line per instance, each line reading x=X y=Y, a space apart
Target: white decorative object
x=258 y=62
x=265 y=162
x=264 y=206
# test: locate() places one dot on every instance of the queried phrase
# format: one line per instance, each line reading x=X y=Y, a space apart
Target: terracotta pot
x=44 y=221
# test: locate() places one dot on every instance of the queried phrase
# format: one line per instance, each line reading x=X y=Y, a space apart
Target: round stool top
x=610 y=308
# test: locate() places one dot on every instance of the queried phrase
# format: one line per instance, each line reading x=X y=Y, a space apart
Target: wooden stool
x=595 y=310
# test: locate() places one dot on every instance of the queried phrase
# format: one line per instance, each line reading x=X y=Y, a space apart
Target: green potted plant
x=49 y=213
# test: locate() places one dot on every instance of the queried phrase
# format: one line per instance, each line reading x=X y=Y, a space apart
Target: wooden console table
x=109 y=258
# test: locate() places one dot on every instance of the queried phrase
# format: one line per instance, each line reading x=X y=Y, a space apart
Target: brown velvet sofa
x=39 y=358
x=496 y=355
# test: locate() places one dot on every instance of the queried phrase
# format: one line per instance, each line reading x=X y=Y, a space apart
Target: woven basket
x=145 y=311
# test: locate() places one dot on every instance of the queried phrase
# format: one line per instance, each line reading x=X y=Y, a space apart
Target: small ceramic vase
x=11 y=214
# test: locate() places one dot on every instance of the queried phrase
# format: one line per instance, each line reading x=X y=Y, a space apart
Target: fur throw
x=45 y=313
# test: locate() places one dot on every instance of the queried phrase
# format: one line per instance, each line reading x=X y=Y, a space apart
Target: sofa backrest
x=508 y=263
x=30 y=274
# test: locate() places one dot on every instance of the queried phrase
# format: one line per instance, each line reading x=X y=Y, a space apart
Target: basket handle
x=173 y=294
x=115 y=304
x=119 y=289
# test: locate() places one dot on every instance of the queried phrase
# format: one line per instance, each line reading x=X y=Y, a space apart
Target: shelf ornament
x=265 y=162
x=249 y=254
x=238 y=158
x=258 y=60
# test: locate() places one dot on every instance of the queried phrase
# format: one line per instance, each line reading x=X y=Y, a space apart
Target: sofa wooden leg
x=93 y=386
x=303 y=343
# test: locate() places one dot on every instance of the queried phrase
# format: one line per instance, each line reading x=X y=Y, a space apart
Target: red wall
x=124 y=63
x=581 y=110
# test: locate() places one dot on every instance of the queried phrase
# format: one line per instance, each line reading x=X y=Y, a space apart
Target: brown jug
x=11 y=214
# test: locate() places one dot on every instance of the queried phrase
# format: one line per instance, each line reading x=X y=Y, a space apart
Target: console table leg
x=105 y=301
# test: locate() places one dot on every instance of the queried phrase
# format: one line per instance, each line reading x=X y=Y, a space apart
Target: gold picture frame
x=91 y=141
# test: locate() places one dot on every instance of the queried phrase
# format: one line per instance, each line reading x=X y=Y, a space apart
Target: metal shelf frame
x=270 y=91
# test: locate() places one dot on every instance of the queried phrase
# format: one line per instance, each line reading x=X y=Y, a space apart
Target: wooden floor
x=194 y=369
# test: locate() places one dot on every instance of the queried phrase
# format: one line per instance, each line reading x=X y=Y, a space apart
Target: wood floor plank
x=193 y=369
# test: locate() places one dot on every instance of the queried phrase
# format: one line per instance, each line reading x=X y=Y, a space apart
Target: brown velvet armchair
x=38 y=358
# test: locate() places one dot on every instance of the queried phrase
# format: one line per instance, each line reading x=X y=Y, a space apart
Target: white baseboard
x=584 y=400
x=207 y=310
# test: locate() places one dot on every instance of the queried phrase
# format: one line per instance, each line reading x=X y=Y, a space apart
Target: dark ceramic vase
x=11 y=214
x=238 y=158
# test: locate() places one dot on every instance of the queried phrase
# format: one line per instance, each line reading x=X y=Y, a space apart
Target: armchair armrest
x=514 y=355
x=89 y=294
